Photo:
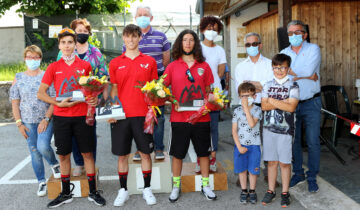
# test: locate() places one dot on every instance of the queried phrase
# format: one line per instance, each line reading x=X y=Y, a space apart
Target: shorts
x=250 y=160
x=122 y=133
x=67 y=127
x=277 y=147
x=182 y=133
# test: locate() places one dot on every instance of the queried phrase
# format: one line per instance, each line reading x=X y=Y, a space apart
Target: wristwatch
x=47 y=119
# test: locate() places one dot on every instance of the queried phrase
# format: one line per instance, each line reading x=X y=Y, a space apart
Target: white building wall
x=12 y=44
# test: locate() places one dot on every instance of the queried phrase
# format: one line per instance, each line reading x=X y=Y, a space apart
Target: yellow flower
x=83 y=80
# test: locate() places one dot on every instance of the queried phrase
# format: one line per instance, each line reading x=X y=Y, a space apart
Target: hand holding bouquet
x=214 y=101
x=91 y=86
x=156 y=93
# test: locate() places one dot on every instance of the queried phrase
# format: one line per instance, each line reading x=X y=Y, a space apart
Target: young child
x=246 y=134
x=280 y=97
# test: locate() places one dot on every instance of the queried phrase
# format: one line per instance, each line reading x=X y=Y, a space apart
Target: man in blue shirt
x=305 y=65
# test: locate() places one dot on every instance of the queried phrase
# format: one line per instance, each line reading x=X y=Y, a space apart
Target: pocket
x=317 y=102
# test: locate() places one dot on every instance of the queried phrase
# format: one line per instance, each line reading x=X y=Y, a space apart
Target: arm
x=251 y=120
x=43 y=124
x=166 y=58
x=221 y=70
x=113 y=95
x=313 y=77
x=265 y=105
x=42 y=95
x=241 y=149
x=312 y=63
x=16 y=112
x=288 y=105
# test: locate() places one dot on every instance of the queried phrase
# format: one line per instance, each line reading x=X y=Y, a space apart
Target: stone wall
x=5 y=105
x=12 y=44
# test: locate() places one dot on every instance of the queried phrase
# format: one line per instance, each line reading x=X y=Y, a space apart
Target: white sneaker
x=149 y=196
x=213 y=165
x=56 y=171
x=209 y=194
x=197 y=167
x=78 y=170
x=42 y=189
x=174 y=195
x=121 y=198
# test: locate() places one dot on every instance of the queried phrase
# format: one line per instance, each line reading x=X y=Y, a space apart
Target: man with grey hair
x=155 y=44
x=305 y=65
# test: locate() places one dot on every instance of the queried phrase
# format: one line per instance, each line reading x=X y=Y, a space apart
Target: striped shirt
x=154 y=43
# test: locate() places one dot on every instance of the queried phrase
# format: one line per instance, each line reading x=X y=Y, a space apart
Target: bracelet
x=174 y=101
x=18 y=121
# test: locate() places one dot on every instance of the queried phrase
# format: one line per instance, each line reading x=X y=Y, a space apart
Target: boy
x=246 y=134
x=280 y=97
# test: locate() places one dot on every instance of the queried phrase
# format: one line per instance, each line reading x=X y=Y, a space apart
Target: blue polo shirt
x=305 y=64
x=154 y=43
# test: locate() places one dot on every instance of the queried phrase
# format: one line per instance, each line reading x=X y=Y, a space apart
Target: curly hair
x=177 y=50
x=205 y=21
x=80 y=21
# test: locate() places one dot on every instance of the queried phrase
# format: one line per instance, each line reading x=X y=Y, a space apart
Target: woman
x=87 y=52
x=33 y=117
x=215 y=56
x=190 y=79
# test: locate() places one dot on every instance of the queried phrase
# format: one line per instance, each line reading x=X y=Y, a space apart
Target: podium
x=81 y=183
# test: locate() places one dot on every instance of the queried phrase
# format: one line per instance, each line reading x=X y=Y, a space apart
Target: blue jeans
x=159 y=130
x=39 y=147
x=78 y=158
x=308 y=113
x=214 y=130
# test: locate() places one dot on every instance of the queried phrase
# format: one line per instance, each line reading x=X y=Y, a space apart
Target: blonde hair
x=33 y=49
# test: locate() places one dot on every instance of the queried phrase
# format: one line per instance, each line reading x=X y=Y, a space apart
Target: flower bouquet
x=91 y=86
x=214 y=101
x=156 y=93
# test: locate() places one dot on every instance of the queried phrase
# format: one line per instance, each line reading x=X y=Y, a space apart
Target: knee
x=35 y=152
x=285 y=165
x=273 y=163
x=43 y=148
x=87 y=156
x=145 y=157
x=64 y=158
x=123 y=159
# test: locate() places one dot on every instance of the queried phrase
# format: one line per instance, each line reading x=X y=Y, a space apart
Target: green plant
x=94 y=41
x=46 y=44
x=8 y=71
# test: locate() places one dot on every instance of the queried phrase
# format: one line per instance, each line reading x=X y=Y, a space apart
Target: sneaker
x=197 y=167
x=149 y=196
x=253 y=198
x=268 y=198
x=78 y=170
x=244 y=197
x=96 y=198
x=285 y=200
x=42 y=189
x=56 y=171
x=159 y=155
x=137 y=157
x=174 y=195
x=122 y=197
x=296 y=179
x=213 y=165
x=61 y=199
x=209 y=194
x=313 y=187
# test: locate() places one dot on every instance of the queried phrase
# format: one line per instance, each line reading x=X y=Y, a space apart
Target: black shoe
x=253 y=198
x=244 y=197
x=61 y=199
x=268 y=198
x=285 y=200
x=96 y=198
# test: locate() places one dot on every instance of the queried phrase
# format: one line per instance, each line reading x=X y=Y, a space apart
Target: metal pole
x=190 y=19
x=201 y=15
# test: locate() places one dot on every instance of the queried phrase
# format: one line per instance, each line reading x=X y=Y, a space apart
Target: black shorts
x=67 y=127
x=122 y=133
x=183 y=132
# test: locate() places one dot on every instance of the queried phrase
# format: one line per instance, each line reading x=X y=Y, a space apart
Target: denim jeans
x=214 y=130
x=39 y=147
x=78 y=158
x=159 y=130
x=308 y=113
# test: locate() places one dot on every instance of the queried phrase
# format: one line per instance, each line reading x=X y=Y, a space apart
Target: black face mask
x=82 y=38
x=188 y=53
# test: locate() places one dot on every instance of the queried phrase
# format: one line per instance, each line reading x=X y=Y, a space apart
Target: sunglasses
x=67 y=30
x=281 y=68
x=254 y=44
x=298 y=32
x=189 y=76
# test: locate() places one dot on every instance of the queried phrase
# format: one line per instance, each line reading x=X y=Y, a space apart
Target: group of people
x=270 y=93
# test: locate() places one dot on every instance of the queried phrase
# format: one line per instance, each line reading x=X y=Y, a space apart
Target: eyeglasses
x=67 y=30
x=254 y=44
x=298 y=32
x=32 y=58
x=281 y=68
x=246 y=96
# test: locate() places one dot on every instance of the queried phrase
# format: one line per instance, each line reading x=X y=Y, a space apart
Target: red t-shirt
x=127 y=73
x=64 y=78
x=177 y=78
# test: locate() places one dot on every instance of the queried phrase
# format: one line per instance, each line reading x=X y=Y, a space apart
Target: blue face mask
x=252 y=51
x=143 y=21
x=33 y=64
x=295 y=40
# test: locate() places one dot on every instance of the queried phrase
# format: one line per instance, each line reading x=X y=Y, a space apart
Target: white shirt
x=261 y=71
x=214 y=56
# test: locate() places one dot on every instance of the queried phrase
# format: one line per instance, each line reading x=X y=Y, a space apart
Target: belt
x=316 y=95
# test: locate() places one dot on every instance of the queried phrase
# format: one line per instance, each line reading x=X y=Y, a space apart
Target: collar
x=150 y=32
x=124 y=56
x=183 y=62
x=248 y=59
x=304 y=45
x=75 y=60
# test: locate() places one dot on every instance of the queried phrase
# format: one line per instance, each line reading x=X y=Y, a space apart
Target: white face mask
x=250 y=101
x=282 y=81
x=210 y=35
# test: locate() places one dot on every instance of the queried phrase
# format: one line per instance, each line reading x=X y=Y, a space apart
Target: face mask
x=281 y=81
x=252 y=51
x=250 y=101
x=82 y=38
x=143 y=21
x=188 y=53
x=210 y=35
x=295 y=40
x=33 y=64
x=68 y=58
